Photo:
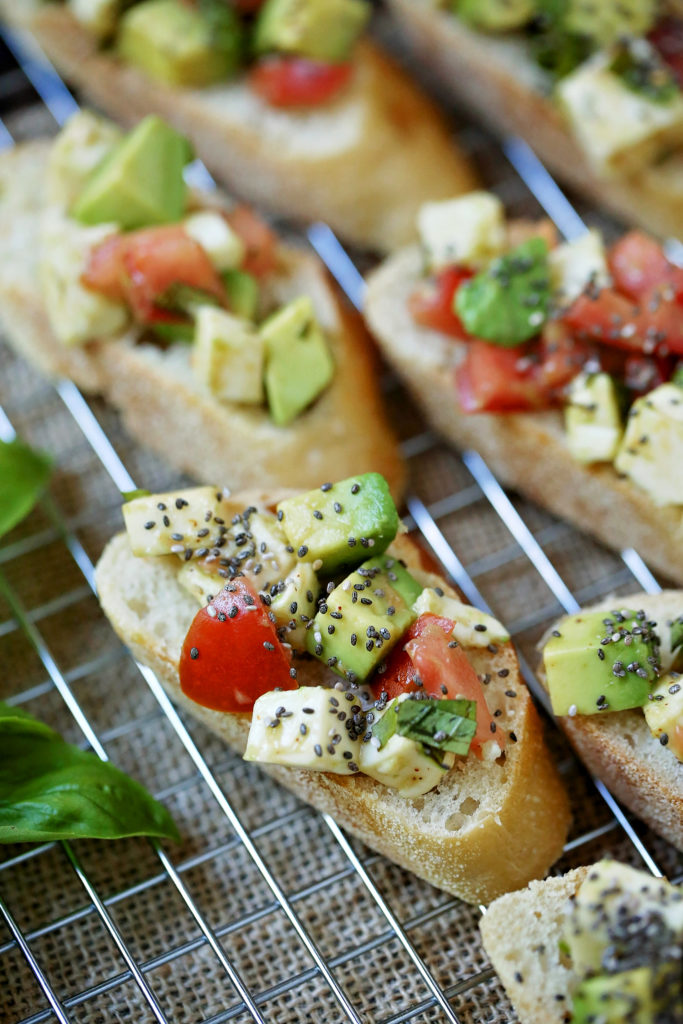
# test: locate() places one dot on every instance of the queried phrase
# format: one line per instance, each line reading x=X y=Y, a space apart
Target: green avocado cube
x=140 y=182
x=615 y=998
x=664 y=713
x=495 y=15
x=319 y=29
x=299 y=364
x=364 y=618
x=182 y=44
x=508 y=302
x=593 y=418
x=340 y=524
x=242 y=290
x=601 y=661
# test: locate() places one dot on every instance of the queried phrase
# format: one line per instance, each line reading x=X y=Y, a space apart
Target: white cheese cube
x=620 y=130
x=302 y=728
x=223 y=246
x=593 y=418
x=465 y=617
x=167 y=524
x=201 y=580
x=651 y=453
x=574 y=264
x=469 y=230
x=82 y=144
x=401 y=763
x=77 y=314
x=228 y=356
x=297 y=585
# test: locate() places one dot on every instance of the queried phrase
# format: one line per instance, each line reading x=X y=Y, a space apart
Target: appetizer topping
x=298 y=82
x=471 y=627
x=228 y=356
x=299 y=364
x=440 y=725
x=80 y=147
x=469 y=231
x=602 y=663
x=592 y=418
x=165 y=524
x=495 y=15
x=218 y=239
x=664 y=713
x=651 y=454
x=578 y=264
x=323 y=30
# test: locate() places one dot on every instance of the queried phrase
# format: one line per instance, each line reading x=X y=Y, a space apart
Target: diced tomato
x=494 y=379
x=259 y=240
x=606 y=317
x=105 y=271
x=667 y=37
x=637 y=263
x=432 y=304
x=444 y=671
x=560 y=357
x=297 y=81
x=644 y=373
x=229 y=659
x=659 y=325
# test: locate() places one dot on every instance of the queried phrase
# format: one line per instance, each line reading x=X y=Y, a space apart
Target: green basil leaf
x=139 y=492
x=23 y=476
x=385 y=727
x=440 y=724
x=677 y=633
x=50 y=789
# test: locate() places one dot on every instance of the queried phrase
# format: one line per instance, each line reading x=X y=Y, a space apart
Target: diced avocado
x=140 y=182
x=364 y=617
x=401 y=763
x=318 y=29
x=473 y=628
x=222 y=245
x=174 y=333
x=98 y=16
x=181 y=44
x=228 y=356
x=508 y=302
x=469 y=230
x=622 y=918
x=77 y=314
x=80 y=147
x=664 y=713
x=592 y=418
x=243 y=293
x=610 y=20
x=495 y=15
x=301 y=728
x=615 y=998
x=268 y=547
x=651 y=453
x=599 y=661
x=576 y=264
x=164 y=524
x=295 y=604
x=299 y=365
x=200 y=579
x=338 y=524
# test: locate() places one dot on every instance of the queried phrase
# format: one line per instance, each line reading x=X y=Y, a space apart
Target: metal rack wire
x=427 y=988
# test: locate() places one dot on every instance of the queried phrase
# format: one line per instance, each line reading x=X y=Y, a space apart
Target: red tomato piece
x=643 y=373
x=105 y=271
x=607 y=317
x=445 y=672
x=229 y=659
x=560 y=357
x=667 y=37
x=259 y=241
x=494 y=379
x=637 y=264
x=297 y=81
x=433 y=303
x=659 y=325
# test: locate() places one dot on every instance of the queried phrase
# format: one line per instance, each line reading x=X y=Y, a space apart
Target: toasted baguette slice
x=528 y=451
x=155 y=390
x=363 y=163
x=488 y=828
x=495 y=77
x=521 y=933
x=619 y=748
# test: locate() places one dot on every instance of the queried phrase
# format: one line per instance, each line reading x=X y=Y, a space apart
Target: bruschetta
x=561 y=364
x=318 y=126
x=226 y=351
x=372 y=692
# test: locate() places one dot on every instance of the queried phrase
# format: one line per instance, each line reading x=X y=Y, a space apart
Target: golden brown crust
x=526 y=450
x=514 y=833
x=346 y=428
x=399 y=151
x=501 y=85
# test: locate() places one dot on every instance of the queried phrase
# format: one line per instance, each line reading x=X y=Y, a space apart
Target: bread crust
x=155 y=390
x=619 y=747
x=527 y=451
x=496 y=79
x=397 y=151
x=520 y=822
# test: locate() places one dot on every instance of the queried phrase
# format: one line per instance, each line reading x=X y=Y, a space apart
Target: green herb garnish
x=645 y=74
x=140 y=492
x=24 y=474
x=52 y=790
x=445 y=725
x=677 y=633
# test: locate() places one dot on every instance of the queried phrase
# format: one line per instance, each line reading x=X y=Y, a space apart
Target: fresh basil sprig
x=447 y=725
x=677 y=633
x=23 y=476
x=50 y=790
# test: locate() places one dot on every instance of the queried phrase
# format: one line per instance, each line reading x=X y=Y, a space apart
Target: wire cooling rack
x=267 y=911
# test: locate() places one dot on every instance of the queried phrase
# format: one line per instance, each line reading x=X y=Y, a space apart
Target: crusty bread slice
x=521 y=932
x=363 y=163
x=527 y=451
x=619 y=748
x=487 y=829
x=495 y=77
x=154 y=389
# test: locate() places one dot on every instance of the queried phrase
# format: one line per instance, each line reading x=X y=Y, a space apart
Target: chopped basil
x=677 y=633
x=23 y=476
x=647 y=75
x=140 y=492
x=445 y=725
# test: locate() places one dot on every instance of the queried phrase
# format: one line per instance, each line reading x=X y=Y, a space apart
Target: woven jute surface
x=47 y=897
